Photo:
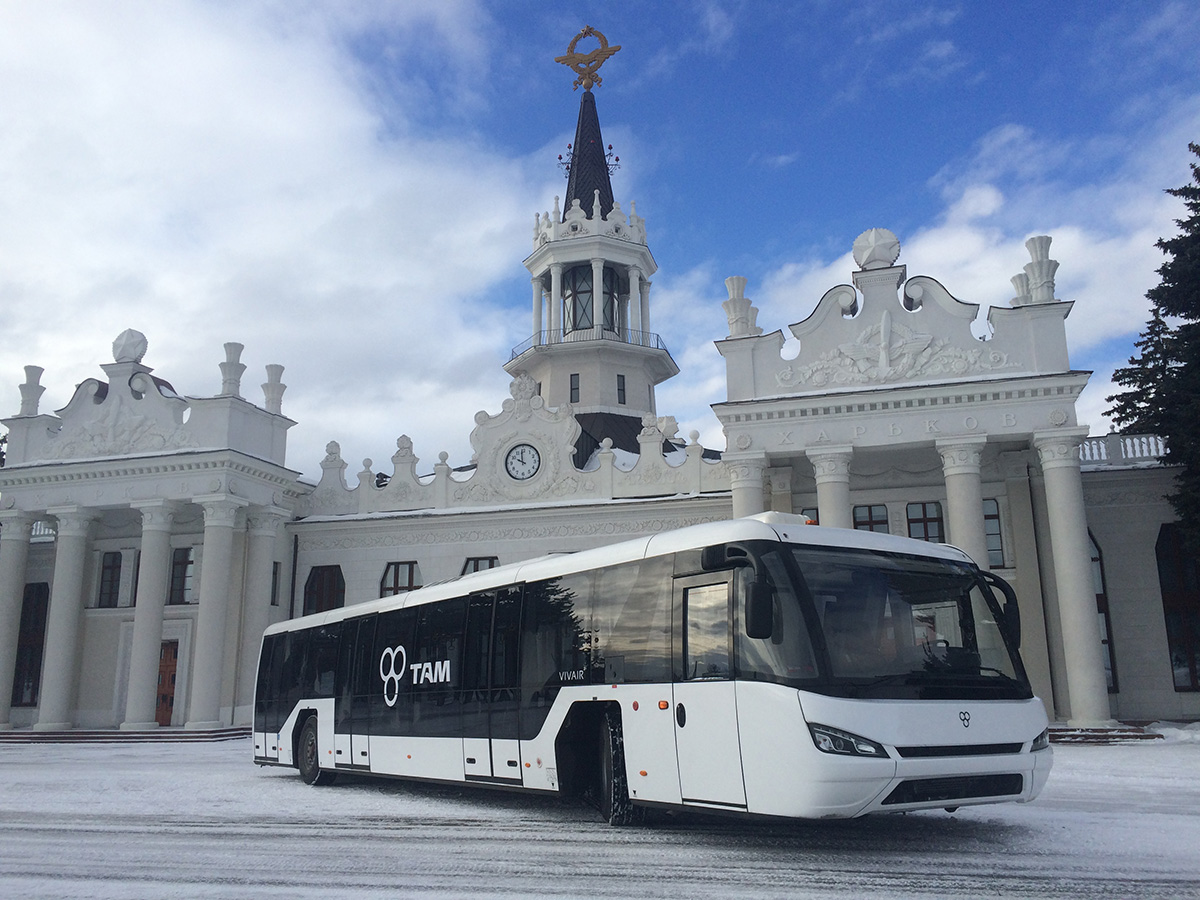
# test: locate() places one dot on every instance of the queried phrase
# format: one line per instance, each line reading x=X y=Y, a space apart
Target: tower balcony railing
x=1122 y=450
x=622 y=336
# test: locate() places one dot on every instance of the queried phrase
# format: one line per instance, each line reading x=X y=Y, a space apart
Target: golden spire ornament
x=586 y=65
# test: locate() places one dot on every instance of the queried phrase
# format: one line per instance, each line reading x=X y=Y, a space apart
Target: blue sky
x=349 y=189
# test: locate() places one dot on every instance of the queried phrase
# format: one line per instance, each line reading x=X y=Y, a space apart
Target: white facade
x=149 y=530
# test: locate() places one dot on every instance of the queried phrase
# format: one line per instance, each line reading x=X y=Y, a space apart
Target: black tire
x=308 y=759
x=613 y=790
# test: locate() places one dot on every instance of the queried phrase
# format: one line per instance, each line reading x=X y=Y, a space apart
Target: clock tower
x=592 y=345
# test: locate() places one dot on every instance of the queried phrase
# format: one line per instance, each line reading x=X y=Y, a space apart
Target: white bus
x=757 y=666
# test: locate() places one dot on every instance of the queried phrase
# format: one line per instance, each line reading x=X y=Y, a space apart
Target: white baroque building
x=142 y=552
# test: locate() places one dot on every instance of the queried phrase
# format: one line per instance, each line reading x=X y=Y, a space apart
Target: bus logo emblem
x=965 y=718
x=391 y=678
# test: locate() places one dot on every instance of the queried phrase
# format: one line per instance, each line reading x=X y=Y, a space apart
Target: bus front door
x=706 y=726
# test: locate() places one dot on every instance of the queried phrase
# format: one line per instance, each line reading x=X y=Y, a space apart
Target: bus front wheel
x=615 y=804
x=308 y=758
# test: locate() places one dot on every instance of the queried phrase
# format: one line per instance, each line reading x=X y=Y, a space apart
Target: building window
x=137 y=573
x=110 y=579
x=991 y=533
x=1179 y=581
x=276 y=569
x=1110 y=665
x=325 y=589
x=479 y=563
x=871 y=518
x=574 y=387
x=925 y=522
x=31 y=640
x=812 y=514
x=180 y=590
x=577 y=298
x=399 y=577
x=621 y=390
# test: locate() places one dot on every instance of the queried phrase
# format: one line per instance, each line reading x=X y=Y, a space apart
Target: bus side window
x=264 y=692
x=388 y=675
x=436 y=668
x=322 y=661
x=553 y=646
x=706 y=614
x=631 y=618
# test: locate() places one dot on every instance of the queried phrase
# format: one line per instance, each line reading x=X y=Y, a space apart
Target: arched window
x=325 y=589
x=1110 y=663
x=577 y=299
x=1179 y=581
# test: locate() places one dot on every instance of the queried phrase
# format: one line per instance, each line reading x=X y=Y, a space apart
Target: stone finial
x=741 y=314
x=1041 y=270
x=523 y=387
x=129 y=346
x=232 y=369
x=31 y=390
x=273 y=389
x=876 y=248
x=1021 y=284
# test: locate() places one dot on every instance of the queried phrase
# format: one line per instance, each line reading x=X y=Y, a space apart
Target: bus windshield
x=892 y=626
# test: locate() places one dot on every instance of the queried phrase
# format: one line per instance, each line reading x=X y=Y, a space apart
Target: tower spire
x=589 y=171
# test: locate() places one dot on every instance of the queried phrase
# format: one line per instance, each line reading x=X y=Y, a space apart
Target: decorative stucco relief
x=889 y=352
x=121 y=425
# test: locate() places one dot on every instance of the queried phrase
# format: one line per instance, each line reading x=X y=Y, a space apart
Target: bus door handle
x=680 y=715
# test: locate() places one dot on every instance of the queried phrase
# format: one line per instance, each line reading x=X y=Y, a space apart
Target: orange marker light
x=642 y=773
x=527 y=765
x=635 y=706
x=663 y=704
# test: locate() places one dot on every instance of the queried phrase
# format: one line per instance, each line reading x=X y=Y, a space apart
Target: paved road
x=186 y=821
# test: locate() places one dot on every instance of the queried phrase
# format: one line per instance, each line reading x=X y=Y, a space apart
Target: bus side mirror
x=760 y=610
x=1011 y=611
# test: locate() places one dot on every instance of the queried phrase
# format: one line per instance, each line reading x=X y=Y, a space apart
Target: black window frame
x=871 y=519
x=393 y=585
x=324 y=589
x=108 y=592
x=928 y=518
x=183 y=560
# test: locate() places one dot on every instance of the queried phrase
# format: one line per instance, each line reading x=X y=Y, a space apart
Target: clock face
x=523 y=462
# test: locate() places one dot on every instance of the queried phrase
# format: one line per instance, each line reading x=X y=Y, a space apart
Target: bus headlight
x=843 y=743
x=1041 y=742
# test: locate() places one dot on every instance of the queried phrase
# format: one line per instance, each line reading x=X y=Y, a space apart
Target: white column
x=831 y=466
x=747 y=478
x=780 y=480
x=60 y=665
x=556 y=303
x=220 y=515
x=598 y=295
x=262 y=526
x=153 y=576
x=15 y=528
x=964 y=495
x=635 y=301
x=1058 y=454
x=644 y=305
x=537 y=310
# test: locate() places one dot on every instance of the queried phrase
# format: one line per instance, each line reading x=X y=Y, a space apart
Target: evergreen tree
x=1139 y=408
x=1164 y=381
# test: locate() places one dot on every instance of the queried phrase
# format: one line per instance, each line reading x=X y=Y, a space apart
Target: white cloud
x=207 y=173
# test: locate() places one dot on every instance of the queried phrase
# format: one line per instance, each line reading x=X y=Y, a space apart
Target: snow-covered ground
x=199 y=820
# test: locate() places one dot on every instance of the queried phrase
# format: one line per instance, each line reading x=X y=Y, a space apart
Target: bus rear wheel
x=308 y=758
x=615 y=805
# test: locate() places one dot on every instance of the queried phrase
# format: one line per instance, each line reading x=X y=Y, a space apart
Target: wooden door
x=168 y=661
